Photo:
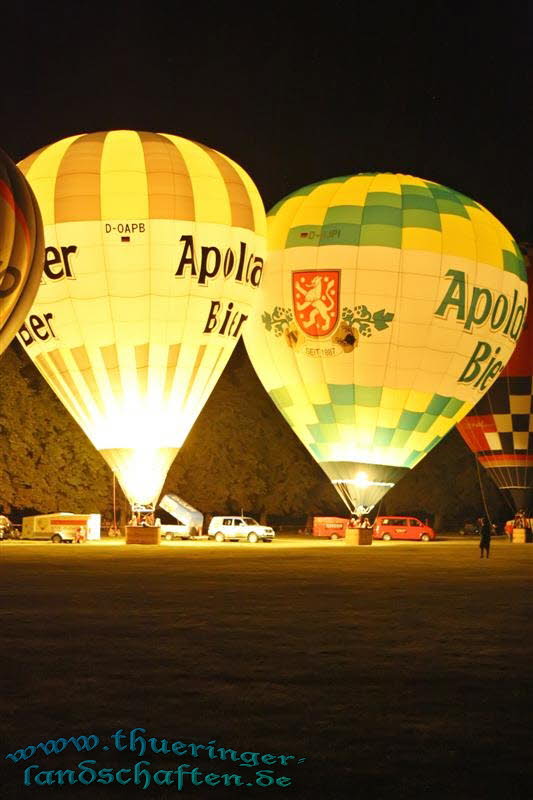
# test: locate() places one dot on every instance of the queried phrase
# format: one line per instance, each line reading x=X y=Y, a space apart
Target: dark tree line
x=240 y=454
x=46 y=462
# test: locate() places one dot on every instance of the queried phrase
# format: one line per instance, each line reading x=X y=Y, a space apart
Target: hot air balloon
x=499 y=429
x=154 y=249
x=21 y=249
x=389 y=306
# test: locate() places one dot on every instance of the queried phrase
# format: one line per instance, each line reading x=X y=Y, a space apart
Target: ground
x=400 y=670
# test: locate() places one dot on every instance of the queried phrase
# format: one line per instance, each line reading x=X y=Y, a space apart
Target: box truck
x=189 y=521
x=330 y=527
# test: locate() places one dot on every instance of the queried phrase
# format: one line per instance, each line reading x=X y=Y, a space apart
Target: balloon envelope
x=154 y=250
x=499 y=429
x=21 y=249
x=389 y=306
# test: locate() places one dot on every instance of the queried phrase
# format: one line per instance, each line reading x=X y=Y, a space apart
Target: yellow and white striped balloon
x=154 y=250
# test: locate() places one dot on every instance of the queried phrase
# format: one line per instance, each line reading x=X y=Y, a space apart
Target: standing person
x=484 y=536
x=519 y=519
x=528 y=525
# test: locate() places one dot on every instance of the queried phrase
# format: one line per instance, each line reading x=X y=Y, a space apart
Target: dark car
x=469 y=529
x=473 y=529
x=7 y=531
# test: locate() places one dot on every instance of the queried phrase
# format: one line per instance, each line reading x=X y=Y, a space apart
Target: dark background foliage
x=240 y=454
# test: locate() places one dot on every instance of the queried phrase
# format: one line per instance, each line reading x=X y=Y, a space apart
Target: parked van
x=225 y=528
x=388 y=528
x=62 y=527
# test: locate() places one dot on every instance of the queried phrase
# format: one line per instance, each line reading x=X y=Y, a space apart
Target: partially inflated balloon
x=499 y=429
x=154 y=250
x=389 y=306
x=21 y=249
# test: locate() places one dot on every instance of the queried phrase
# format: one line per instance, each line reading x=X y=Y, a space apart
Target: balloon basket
x=522 y=536
x=143 y=534
x=358 y=536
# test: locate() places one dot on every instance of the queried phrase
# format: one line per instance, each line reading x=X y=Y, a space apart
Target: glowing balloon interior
x=21 y=249
x=389 y=306
x=499 y=429
x=154 y=250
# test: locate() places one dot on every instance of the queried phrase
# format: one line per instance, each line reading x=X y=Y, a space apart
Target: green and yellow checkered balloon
x=388 y=306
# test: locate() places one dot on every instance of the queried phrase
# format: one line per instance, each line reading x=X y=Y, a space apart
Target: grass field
x=401 y=670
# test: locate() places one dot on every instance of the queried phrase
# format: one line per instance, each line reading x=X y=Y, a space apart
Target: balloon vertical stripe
x=83 y=363
x=110 y=358
x=169 y=182
x=65 y=377
x=142 y=361
x=77 y=191
x=172 y=362
x=241 y=208
x=192 y=378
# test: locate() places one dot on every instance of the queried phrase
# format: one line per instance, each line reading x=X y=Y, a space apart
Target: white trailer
x=190 y=521
x=62 y=527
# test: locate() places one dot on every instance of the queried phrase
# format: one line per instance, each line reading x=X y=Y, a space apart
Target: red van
x=388 y=528
x=330 y=527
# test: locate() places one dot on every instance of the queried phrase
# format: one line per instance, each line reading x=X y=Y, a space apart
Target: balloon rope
x=482 y=491
x=114 y=501
x=505 y=475
x=343 y=491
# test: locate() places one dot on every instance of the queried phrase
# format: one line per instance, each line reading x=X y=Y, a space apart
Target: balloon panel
x=155 y=248
x=499 y=429
x=21 y=249
x=388 y=306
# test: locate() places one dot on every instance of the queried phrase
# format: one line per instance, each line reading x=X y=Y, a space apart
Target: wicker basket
x=142 y=534
x=356 y=536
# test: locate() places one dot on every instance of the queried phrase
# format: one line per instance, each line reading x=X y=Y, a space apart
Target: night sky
x=295 y=96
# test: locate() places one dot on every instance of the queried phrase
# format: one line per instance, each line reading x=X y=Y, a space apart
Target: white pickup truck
x=223 y=529
x=189 y=521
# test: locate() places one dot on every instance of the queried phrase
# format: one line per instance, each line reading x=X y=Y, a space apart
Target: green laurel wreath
x=364 y=319
x=280 y=319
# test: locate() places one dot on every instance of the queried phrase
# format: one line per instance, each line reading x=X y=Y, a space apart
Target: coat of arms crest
x=316 y=300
